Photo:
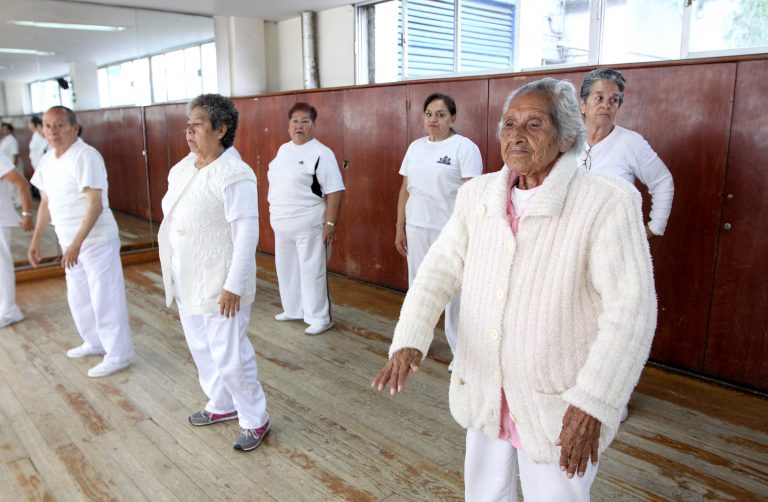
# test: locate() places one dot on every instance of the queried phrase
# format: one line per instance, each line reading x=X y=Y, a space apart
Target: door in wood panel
x=471 y=98
x=737 y=347
x=330 y=131
x=262 y=128
x=375 y=143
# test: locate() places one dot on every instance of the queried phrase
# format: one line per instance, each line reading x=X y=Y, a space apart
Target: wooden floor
x=135 y=233
x=125 y=437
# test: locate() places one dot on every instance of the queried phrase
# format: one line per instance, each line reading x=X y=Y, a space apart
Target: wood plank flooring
x=64 y=436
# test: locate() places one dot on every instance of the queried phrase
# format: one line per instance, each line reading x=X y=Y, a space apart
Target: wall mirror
x=108 y=64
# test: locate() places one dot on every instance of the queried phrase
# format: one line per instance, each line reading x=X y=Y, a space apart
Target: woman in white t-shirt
x=615 y=151
x=434 y=168
x=37 y=143
x=305 y=194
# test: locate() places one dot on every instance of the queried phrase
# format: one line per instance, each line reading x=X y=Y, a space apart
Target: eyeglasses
x=587 y=162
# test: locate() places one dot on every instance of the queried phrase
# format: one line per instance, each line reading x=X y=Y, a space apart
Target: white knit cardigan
x=563 y=313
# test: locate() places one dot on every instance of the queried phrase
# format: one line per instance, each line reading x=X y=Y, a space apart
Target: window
x=48 y=93
x=422 y=38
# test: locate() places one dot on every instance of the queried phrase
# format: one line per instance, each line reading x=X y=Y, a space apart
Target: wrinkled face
x=528 y=136
x=438 y=119
x=202 y=139
x=58 y=131
x=602 y=104
x=301 y=127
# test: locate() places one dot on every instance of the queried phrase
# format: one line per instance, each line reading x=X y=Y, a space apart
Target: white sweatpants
x=96 y=296
x=490 y=475
x=300 y=260
x=419 y=241
x=8 y=307
x=226 y=365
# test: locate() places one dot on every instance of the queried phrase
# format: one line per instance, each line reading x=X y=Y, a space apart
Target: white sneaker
x=316 y=329
x=83 y=351
x=11 y=319
x=105 y=368
x=282 y=316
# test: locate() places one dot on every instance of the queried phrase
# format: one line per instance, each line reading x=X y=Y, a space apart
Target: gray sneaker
x=203 y=417
x=249 y=439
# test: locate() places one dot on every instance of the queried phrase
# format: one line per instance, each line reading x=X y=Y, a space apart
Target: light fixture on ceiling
x=33 y=52
x=67 y=26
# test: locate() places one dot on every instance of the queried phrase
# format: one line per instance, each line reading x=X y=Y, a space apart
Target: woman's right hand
x=401 y=241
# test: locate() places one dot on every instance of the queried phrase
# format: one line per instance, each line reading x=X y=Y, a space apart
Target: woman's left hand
x=229 y=304
x=578 y=441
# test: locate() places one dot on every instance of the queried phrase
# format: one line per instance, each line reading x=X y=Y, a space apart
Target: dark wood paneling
x=166 y=145
x=685 y=115
x=737 y=347
x=471 y=98
x=375 y=143
x=118 y=135
x=262 y=128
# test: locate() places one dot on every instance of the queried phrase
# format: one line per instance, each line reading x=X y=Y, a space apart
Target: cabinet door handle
x=727 y=226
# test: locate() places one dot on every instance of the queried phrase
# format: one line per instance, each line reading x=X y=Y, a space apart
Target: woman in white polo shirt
x=305 y=194
x=434 y=168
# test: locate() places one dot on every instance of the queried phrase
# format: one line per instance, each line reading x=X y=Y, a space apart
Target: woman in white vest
x=434 y=168
x=305 y=194
x=208 y=256
x=9 y=311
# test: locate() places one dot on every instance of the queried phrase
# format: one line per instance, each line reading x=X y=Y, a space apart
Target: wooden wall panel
x=737 y=346
x=684 y=112
x=471 y=98
x=118 y=135
x=262 y=128
x=166 y=145
x=375 y=143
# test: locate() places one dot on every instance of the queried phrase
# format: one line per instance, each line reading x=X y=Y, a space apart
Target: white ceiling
x=152 y=26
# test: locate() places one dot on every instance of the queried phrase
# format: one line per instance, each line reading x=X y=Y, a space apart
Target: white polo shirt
x=292 y=204
x=435 y=171
x=8 y=215
x=63 y=180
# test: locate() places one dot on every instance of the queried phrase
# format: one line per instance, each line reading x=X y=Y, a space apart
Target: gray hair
x=71 y=117
x=221 y=112
x=614 y=76
x=563 y=108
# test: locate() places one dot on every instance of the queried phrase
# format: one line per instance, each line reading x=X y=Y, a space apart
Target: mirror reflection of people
x=305 y=194
x=208 y=241
x=9 y=145
x=37 y=143
x=615 y=151
x=9 y=311
x=72 y=180
x=433 y=170
x=555 y=274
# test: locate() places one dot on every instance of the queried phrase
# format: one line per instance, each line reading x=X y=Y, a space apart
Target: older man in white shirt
x=72 y=180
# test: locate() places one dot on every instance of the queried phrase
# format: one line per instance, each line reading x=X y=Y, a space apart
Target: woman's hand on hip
x=401 y=241
x=396 y=371
x=578 y=441
x=229 y=304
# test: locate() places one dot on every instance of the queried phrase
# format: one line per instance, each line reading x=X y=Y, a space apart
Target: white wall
x=85 y=85
x=272 y=53
x=290 y=70
x=336 y=46
x=17 y=98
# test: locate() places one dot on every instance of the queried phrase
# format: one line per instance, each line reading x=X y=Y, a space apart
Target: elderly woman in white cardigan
x=558 y=307
x=208 y=256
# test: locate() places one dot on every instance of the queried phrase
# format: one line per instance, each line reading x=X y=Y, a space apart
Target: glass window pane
x=553 y=32
x=641 y=30
x=429 y=37
x=159 y=85
x=487 y=34
x=192 y=72
x=121 y=84
x=103 y=88
x=728 y=24
x=208 y=70
x=141 y=86
x=51 y=95
x=37 y=93
x=386 y=44
x=174 y=75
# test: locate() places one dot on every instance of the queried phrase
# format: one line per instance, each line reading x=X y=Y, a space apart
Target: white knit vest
x=202 y=238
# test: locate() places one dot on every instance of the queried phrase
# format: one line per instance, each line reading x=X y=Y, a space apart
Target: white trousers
x=419 y=242
x=226 y=365
x=490 y=475
x=300 y=260
x=8 y=307
x=96 y=296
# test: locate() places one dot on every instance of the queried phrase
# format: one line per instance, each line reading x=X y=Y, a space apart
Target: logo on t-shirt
x=445 y=160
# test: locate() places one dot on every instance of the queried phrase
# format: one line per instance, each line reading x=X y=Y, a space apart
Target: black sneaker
x=249 y=439
x=203 y=417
